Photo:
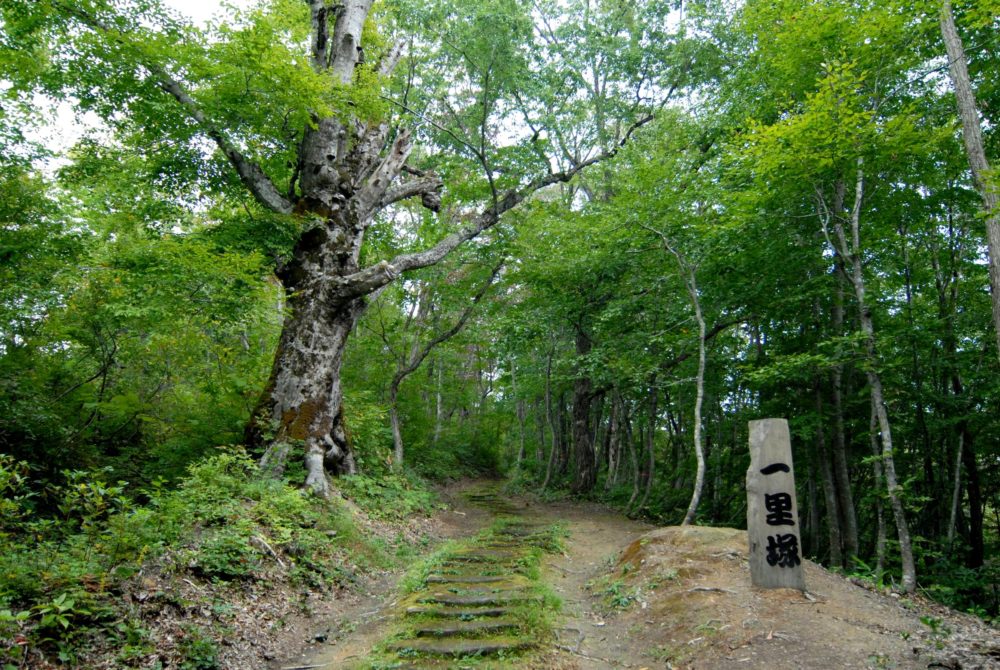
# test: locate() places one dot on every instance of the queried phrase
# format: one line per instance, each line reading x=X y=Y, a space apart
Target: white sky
x=201 y=10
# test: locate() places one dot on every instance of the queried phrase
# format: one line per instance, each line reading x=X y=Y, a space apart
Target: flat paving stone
x=494 y=569
x=457 y=647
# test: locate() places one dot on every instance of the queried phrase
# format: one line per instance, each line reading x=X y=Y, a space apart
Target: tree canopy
x=579 y=242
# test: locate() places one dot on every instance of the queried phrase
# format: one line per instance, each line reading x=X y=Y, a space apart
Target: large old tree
x=301 y=104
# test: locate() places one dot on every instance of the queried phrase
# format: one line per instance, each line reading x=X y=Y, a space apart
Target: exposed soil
x=691 y=606
x=635 y=596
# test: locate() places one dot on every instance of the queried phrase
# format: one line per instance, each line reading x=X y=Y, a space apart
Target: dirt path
x=633 y=596
x=592 y=538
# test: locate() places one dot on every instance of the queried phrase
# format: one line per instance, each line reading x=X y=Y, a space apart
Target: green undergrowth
x=83 y=560
x=392 y=496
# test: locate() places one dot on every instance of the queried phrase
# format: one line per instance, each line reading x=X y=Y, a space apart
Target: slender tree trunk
x=932 y=515
x=829 y=491
x=973 y=488
x=614 y=443
x=600 y=431
x=650 y=444
x=540 y=421
x=972 y=136
x=565 y=435
x=521 y=415
x=880 y=533
x=888 y=455
x=812 y=520
x=634 y=459
x=841 y=473
x=687 y=273
x=548 y=419
x=699 y=481
x=851 y=251
x=438 y=403
x=418 y=354
x=585 y=470
x=956 y=494
x=947 y=305
x=397 y=435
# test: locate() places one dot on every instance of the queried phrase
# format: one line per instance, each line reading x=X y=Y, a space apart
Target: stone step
x=520 y=547
x=466 y=559
x=483 y=589
x=484 y=553
x=457 y=613
x=487 y=570
x=459 y=628
x=457 y=647
x=472 y=600
x=524 y=533
x=464 y=579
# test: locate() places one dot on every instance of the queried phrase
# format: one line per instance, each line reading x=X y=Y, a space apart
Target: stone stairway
x=480 y=604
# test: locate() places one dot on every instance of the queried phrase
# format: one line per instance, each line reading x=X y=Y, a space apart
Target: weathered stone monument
x=772 y=513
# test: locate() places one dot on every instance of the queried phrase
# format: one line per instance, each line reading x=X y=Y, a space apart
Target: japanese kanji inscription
x=772 y=513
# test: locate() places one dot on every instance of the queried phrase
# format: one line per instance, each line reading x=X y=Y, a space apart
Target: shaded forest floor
x=637 y=597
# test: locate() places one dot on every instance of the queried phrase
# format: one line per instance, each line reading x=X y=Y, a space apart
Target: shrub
x=393 y=496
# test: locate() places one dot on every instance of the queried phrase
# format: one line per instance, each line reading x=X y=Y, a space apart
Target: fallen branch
x=714 y=589
x=269 y=549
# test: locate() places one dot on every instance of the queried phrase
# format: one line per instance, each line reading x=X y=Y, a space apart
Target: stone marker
x=772 y=513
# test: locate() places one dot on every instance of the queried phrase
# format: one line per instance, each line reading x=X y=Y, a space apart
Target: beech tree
x=296 y=99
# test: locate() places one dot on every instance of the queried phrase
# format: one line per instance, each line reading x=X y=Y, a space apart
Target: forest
x=355 y=248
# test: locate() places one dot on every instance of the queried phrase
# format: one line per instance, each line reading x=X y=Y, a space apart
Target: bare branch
x=427 y=187
x=417 y=357
x=251 y=174
x=370 y=278
x=382 y=177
